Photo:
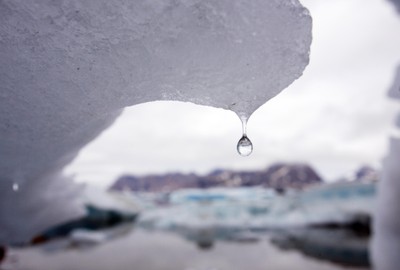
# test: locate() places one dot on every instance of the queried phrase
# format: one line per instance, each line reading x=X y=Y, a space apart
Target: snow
x=398 y=121
x=68 y=68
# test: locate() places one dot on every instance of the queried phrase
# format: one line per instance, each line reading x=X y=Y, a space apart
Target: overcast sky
x=336 y=117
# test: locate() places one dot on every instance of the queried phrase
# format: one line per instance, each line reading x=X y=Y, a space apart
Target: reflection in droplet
x=15 y=187
x=244 y=146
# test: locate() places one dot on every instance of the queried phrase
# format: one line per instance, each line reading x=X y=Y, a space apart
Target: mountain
x=366 y=174
x=279 y=176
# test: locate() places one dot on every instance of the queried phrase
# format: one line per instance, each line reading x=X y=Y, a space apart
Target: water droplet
x=244 y=146
x=15 y=187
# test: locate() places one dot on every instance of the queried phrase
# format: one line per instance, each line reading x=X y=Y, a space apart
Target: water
x=141 y=250
x=244 y=145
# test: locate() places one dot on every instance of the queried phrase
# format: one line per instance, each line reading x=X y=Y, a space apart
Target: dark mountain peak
x=216 y=172
x=125 y=182
x=294 y=175
x=366 y=173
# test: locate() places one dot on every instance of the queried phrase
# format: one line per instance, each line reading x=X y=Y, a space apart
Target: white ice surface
x=244 y=208
x=386 y=242
x=398 y=121
x=394 y=91
x=119 y=201
x=68 y=68
x=397 y=4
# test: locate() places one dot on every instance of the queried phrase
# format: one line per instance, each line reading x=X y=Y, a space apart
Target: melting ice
x=260 y=208
x=74 y=69
x=244 y=145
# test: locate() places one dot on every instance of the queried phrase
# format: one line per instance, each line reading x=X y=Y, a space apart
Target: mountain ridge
x=279 y=176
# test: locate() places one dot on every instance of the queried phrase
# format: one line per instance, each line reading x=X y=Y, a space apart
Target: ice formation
x=398 y=121
x=68 y=68
x=386 y=244
x=260 y=208
x=394 y=91
x=397 y=4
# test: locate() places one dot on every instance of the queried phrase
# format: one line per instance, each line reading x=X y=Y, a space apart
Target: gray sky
x=335 y=117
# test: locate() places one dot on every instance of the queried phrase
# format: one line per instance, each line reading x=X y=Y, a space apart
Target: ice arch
x=68 y=67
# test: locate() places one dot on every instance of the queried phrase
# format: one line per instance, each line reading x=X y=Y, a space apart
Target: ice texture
x=67 y=68
x=386 y=242
x=398 y=121
x=394 y=91
x=260 y=208
x=397 y=4
x=38 y=203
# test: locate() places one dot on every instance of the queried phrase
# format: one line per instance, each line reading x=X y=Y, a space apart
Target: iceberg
x=225 y=209
x=68 y=68
x=398 y=121
x=394 y=90
x=339 y=203
x=397 y=4
x=386 y=242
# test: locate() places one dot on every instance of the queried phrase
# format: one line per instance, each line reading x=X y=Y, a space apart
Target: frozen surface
x=394 y=91
x=398 y=120
x=397 y=4
x=258 y=208
x=386 y=245
x=26 y=212
x=119 y=201
x=68 y=68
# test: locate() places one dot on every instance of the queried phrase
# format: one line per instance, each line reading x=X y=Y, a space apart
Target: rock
x=279 y=176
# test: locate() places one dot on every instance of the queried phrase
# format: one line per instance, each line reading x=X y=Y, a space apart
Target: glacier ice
x=396 y=3
x=67 y=68
x=386 y=242
x=394 y=91
x=260 y=208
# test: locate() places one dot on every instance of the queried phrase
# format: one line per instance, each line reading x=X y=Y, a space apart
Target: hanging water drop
x=15 y=187
x=244 y=145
